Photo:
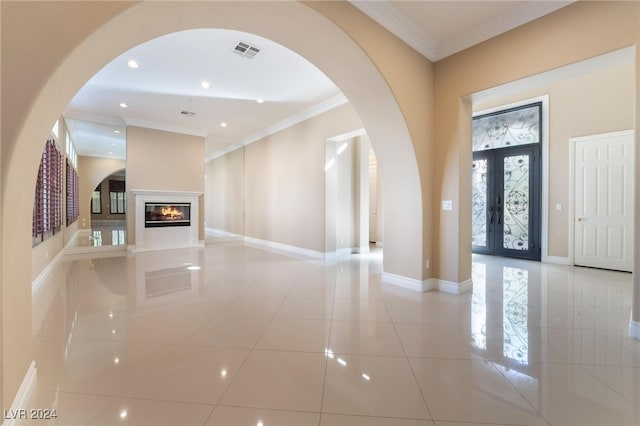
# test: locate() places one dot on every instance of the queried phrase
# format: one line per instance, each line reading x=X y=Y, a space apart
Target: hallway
x=236 y=334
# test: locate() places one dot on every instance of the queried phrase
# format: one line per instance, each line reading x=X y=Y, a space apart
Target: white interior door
x=603 y=201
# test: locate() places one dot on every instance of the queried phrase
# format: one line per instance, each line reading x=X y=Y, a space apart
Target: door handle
x=581 y=219
x=491 y=214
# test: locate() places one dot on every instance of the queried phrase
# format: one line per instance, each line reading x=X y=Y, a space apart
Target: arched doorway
x=335 y=53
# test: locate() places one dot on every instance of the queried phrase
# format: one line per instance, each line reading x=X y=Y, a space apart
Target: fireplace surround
x=165 y=219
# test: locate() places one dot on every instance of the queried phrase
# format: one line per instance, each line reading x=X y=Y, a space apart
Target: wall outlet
x=447 y=205
x=426 y=264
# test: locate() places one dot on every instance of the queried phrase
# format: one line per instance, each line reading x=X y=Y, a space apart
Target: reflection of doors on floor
x=603 y=200
x=506 y=202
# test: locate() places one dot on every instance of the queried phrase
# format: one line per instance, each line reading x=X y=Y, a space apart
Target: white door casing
x=603 y=203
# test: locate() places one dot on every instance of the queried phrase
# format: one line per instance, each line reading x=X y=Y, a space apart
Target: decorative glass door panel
x=506 y=202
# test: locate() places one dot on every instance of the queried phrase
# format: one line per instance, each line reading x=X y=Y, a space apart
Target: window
x=96 y=201
x=47 y=205
x=72 y=194
x=117 y=196
x=72 y=155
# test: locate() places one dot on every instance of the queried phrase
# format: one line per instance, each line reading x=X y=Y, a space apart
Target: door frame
x=572 y=182
x=544 y=149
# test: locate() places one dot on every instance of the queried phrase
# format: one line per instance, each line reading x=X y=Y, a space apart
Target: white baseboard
x=453 y=287
x=556 y=259
x=138 y=249
x=285 y=247
x=361 y=250
x=405 y=282
x=634 y=329
x=427 y=285
x=344 y=252
x=213 y=232
x=93 y=250
x=44 y=274
x=12 y=416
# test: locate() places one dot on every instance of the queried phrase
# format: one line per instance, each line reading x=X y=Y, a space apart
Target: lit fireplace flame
x=171 y=213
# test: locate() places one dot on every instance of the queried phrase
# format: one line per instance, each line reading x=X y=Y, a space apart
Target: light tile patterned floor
x=258 y=337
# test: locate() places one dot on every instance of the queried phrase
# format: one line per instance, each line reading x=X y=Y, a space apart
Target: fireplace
x=158 y=215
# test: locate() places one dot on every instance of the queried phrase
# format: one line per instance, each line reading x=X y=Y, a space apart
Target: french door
x=506 y=194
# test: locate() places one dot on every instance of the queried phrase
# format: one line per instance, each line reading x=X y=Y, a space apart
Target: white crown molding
x=404 y=28
x=222 y=152
x=305 y=114
x=385 y=14
x=499 y=24
x=166 y=127
x=95 y=118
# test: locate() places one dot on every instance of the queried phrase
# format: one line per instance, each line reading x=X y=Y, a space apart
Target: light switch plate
x=447 y=205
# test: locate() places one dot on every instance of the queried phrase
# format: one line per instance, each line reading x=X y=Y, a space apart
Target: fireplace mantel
x=164 y=238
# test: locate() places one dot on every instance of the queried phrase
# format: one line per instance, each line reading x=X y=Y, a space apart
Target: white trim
x=408 y=283
x=162 y=192
x=285 y=247
x=347 y=136
x=305 y=114
x=506 y=21
x=558 y=260
x=634 y=329
x=21 y=401
x=385 y=14
x=361 y=250
x=214 y=232
x=134 y=249
x=452 y=287
x=222 y=152
x=344 y=252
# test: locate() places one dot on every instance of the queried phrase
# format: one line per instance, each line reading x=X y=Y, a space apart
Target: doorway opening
x=507 y=182
x=353 y=195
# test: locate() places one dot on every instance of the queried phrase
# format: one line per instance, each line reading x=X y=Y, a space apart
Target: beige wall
x=92 y=171
x=166 y=161
x=562 y=38
x=224 y=193
x=285 y=180
x=50 y=49
x=599 y=101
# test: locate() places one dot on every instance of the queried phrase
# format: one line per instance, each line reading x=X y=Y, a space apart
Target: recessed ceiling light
x=123 y=105
x=133 y=64
x=116 y=131
x=113 y=144
x=110 y=152
x=260 y=100
x=223 y=124
x=205 y=84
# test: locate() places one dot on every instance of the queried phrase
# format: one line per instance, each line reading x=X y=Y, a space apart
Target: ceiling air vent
x=246 y=50
x=188 y=113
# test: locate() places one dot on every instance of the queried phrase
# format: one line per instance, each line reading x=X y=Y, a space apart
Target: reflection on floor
x=103 y=235
x=233 y=334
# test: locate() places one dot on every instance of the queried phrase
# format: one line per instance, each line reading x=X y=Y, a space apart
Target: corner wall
x=285 y=180
x=224 y=193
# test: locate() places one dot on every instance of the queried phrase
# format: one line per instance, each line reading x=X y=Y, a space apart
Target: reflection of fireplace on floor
x=166 y=281
x=158 y=215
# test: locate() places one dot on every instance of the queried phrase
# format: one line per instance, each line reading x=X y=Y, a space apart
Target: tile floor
x=238 y=335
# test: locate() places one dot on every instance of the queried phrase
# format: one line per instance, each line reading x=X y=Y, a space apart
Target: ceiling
x=165 y=91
